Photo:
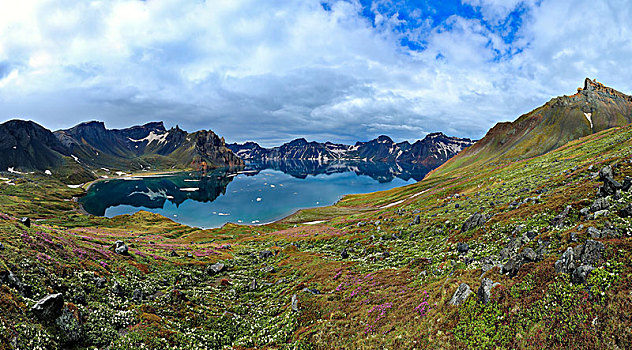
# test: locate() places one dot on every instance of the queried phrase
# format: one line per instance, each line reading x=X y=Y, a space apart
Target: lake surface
x=256 y=194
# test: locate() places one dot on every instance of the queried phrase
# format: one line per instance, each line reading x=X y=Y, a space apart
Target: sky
x=274 y=70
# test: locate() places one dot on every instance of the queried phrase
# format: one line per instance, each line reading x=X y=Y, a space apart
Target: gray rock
x=484 y=291
x=566 y=263
x=584 y=211
x=558 y=221
x=460 y=294
x=312 y=291
x=627 y=184
x=529 y=255
x=591 y=252
x=174 y=254
x=572 y=237
x=606 y=172
x=580 y=274
x=594 y=233
x=1 y=246
x=512 y=266
x=216 y=268
x=600 y=204
x=294 y=302
x=121 y=248
x=10 y=279
x=487 y=264
x=477 y=219
x=71 y=326
x=417 y=220
x=601 y=213
x=100 y=282
x=48 y=308
x=344 y=254
x=25 y=221
x=462 y=247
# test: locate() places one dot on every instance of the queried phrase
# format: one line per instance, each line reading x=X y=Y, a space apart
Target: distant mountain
x=145 y=146
x=432 y=151
x=78 y=151
x=593 y=108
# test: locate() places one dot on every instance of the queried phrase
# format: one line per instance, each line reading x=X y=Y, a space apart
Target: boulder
x=344 y=254
x=462 y=247
x=566 y=263
x=627 y=184
x=11 y=280
x=610 y=187
x=594 y=233
x=1 y=246
x=484 y=291
x=580 y=274
x=477 y=219
x=460 y=294
x=417 y=220
x=558 y=221
x=215 y=268
x=121 y=248
x=606 y=172
x=591 y=252
x=529 y=255
x=49 y=307
x=173 y=254
x=25 y=221
x=512 y=266
x=600 y=204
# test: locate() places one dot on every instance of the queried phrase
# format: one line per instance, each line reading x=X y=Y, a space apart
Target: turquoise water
x=254 y=197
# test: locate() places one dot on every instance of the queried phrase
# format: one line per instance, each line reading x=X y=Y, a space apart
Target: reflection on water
x=381 y=172
x=255 y=194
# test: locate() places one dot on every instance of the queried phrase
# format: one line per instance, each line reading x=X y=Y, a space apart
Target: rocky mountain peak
x=384 y=139
x=298 y=142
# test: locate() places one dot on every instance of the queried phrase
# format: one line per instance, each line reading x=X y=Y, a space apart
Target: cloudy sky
x=274 y=70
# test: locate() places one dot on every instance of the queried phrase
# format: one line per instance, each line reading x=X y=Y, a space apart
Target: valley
x=521 y=240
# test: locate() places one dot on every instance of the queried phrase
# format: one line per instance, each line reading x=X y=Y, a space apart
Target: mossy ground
x=391 y=292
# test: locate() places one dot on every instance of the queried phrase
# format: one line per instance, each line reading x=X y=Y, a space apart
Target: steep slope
x=432 y=151
x=146 y=146
x=26 y=145
x=593 y=108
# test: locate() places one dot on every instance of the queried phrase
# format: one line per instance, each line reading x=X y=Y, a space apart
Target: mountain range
x=76 y=152
x=432 y=151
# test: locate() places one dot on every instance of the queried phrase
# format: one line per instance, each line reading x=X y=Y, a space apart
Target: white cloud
x=274 y=70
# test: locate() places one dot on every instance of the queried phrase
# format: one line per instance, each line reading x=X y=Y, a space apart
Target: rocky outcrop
x=460 y=294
